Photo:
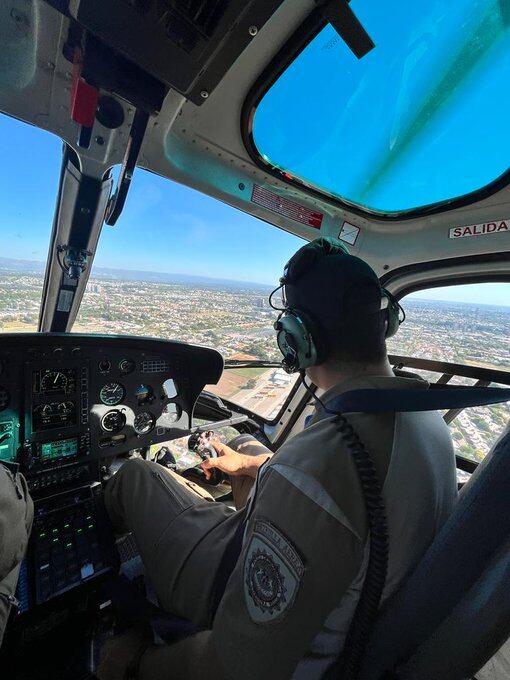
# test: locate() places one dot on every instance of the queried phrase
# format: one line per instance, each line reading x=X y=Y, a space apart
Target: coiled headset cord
x=348 y=666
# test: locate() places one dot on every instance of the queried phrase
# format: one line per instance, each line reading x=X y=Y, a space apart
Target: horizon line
x=238 y=281
x=146 y=271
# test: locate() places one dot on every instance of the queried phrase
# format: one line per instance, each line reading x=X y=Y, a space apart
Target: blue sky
x=165 y=227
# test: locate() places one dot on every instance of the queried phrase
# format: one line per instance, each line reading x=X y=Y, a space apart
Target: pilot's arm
x=297 y=561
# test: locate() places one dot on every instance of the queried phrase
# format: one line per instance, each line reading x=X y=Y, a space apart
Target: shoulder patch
x=272 y=573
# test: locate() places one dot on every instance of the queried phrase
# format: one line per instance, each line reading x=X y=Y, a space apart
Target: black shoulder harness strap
x=406 y=400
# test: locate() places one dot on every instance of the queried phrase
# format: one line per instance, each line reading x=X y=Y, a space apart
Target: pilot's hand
x=232 y=462
x=118 y=653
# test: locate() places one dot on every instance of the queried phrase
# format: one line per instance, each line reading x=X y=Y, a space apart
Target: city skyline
x=489 y=293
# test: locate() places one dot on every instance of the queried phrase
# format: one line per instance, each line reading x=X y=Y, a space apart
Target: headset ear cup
x=295 y=342
x=392 y=314
x=316 y=339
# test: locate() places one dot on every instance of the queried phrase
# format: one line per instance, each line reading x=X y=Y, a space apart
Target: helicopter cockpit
x=192 y=147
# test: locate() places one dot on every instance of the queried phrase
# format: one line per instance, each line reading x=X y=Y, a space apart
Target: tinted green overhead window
x=422 y=118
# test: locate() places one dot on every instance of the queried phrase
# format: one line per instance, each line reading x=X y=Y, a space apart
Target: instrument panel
x=68 y=400
x=68 y=403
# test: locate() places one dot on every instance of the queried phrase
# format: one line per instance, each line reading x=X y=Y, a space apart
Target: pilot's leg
x=172 y=524
x=242 y=485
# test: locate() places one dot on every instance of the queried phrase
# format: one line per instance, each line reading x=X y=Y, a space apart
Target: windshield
x=420 y=119
x=183 y=266
x=31 y=159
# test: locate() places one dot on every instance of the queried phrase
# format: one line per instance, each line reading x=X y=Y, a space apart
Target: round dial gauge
x=126 y=365
x=113 y=421
x=66 y=406
x=144 y=394
x=172 y=412
x=53 y=381
x=46 y=409
x=104 y=366
x=112 y=394
x=144 y=422
x=4 y=398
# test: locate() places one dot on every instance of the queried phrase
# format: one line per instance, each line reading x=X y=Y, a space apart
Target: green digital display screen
x=60 y=449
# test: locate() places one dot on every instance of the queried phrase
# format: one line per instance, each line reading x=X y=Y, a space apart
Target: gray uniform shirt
x=291 y=596
x=290 y=600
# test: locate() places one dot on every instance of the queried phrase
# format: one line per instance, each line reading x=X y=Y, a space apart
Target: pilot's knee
x=248 y=445
x=121 y=489
x=135 y=467
x=241 y=440
x=119 y=478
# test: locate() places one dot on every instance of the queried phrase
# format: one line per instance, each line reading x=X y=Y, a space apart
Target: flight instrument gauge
x=53 y=381
x=104 y=366
x=66 y=407
x=144 y=422
x=144 y=394
x=126 y=365
x=113 y=421
x=4 y=398
x=172 y=412
x=112 y=394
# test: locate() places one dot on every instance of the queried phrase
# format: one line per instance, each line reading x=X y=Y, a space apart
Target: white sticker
x=349 y=233
x=480 y=229
x=65 y=300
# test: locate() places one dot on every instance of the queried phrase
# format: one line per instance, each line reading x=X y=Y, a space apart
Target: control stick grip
x=207 y=451
x=198 y=444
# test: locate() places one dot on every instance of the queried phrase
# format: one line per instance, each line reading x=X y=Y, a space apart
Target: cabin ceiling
x=196 y=140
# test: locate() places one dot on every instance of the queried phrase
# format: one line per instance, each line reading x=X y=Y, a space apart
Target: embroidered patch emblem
x=272 y=573
x=265 y=582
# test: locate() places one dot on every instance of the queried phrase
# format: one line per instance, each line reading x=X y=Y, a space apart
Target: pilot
x=272 y=588
x=16 y=515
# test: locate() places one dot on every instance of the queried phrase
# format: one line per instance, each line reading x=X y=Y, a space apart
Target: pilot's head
x=335 y=312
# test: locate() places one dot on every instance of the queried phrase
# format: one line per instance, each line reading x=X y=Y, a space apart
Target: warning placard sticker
x=287 y=208
x=483 y=229
x=65 y=300
x=349 y=233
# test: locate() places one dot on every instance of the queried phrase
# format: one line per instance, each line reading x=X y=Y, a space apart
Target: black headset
x=298 y=336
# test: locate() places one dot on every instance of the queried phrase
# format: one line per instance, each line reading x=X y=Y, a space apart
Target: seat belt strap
x=400 y=401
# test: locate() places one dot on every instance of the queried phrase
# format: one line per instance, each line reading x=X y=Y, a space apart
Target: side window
x=468 y=325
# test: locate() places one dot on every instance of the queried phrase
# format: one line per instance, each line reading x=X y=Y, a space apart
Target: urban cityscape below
x=235 y=318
